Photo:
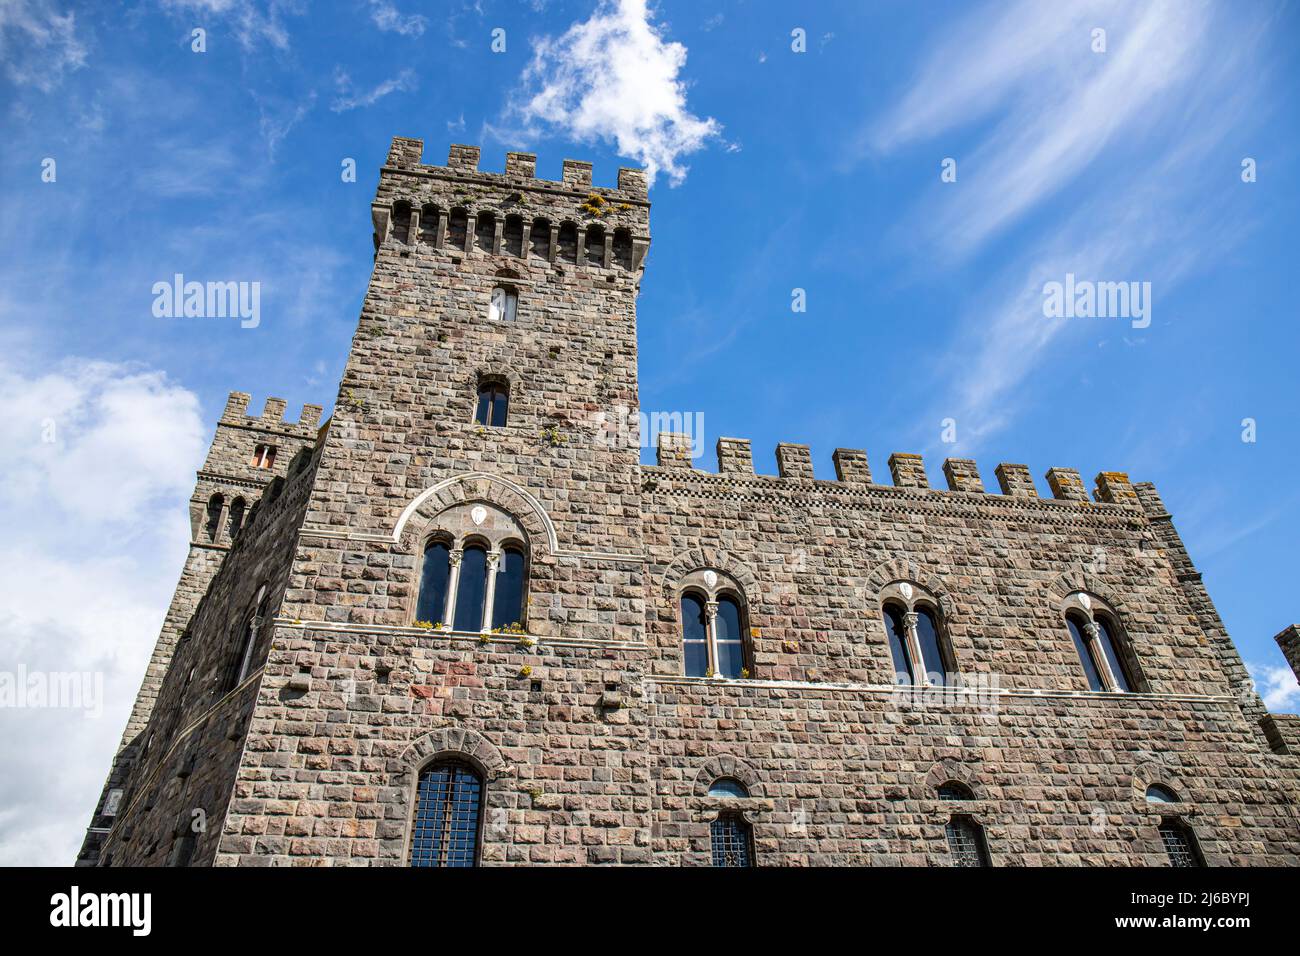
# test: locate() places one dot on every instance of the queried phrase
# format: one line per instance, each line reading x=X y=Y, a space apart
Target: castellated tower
x=465 y=626
x=246 y=454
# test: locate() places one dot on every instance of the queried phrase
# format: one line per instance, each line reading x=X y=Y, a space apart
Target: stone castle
x=462 y=624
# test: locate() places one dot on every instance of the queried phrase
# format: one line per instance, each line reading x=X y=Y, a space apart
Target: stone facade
x=592 y=745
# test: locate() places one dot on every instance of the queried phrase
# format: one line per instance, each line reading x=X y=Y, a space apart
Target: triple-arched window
x=448 y=815
x=474 y=571
x=1103 y=653
x=714 y=626
x=918 y=645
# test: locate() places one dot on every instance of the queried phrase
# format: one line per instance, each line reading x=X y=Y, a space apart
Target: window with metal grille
x=446 y=826
x=1180 y=844
x=952 y=790
x=966 y=841
x=732 y=841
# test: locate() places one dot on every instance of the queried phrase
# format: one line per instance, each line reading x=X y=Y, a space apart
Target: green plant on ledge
x=428 y=625
x=744 y=673
x=709 y=672
x=512 y=628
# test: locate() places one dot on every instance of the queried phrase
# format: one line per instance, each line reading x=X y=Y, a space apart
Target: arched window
x=731 y=840
x=728 y=640
x=471 y=589
x=623 y=248
x=457 y=226
x=1097 y=641
x=1180 y=844
x=695 y=636
x=430 y=225
x=514 y=235
x=568 y=242
x=508 y=590
x=714 y=627
x=917 y=643
x=434 y=575
x=539 y=238
x=595 y=245
x=952 y=790
x=263 y=456
x=728 y=787
x=448 y=809
x=966 y=842
x=503 y=305
x=493 y=403
x=401 y=220
x=1157 y=793
x=474 y=570
x=485 y=231
x=898 y=644
x=236 y=517
x=215 y=505
x=248 y=640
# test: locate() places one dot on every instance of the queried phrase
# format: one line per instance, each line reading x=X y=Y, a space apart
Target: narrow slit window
x=493 y=404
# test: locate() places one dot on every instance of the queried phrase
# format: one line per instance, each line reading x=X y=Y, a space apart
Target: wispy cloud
x=250 y=22
x=350 y=98
x=1034 y=110
x=614 y=78
x=391 y=20
x=38 y=45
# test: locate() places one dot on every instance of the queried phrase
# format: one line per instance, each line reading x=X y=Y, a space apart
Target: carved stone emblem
x=478 y=513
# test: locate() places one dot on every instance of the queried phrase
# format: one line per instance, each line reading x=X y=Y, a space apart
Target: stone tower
x=696 y=667
x=245 y=455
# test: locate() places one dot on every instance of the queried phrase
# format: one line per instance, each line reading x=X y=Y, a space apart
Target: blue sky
x=776 y=170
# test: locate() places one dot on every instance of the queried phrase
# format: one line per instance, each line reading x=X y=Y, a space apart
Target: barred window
x=1180 y=844
x=447 y=812
x=952 y=790
x=732 y=841
x=966 y=841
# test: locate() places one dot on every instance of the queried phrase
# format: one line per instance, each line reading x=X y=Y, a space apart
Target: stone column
x=711 y=628
x=1092 y=633
x=493 y=560
x=914 y=649
x=453 y=583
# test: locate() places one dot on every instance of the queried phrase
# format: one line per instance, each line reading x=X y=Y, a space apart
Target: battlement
x=520 y=169
x=460 y=209
x=272 y=417
x=907 y=471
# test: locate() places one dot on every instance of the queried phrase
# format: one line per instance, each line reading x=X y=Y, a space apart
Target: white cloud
x=349 y=98
x=37 y=44
x=95 y=534
x=1057 y=104
x=1027 y=108
x=1278 y=686
x=613 y=78
x=250 y=22
x=391 y=20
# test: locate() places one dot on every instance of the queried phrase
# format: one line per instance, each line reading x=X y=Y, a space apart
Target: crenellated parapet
x=461 y=210
x=907 y=471
x=272 y=416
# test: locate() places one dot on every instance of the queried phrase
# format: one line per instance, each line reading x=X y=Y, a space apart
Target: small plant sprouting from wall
x=594 y=205
x=552 y=437
x=526 y=670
